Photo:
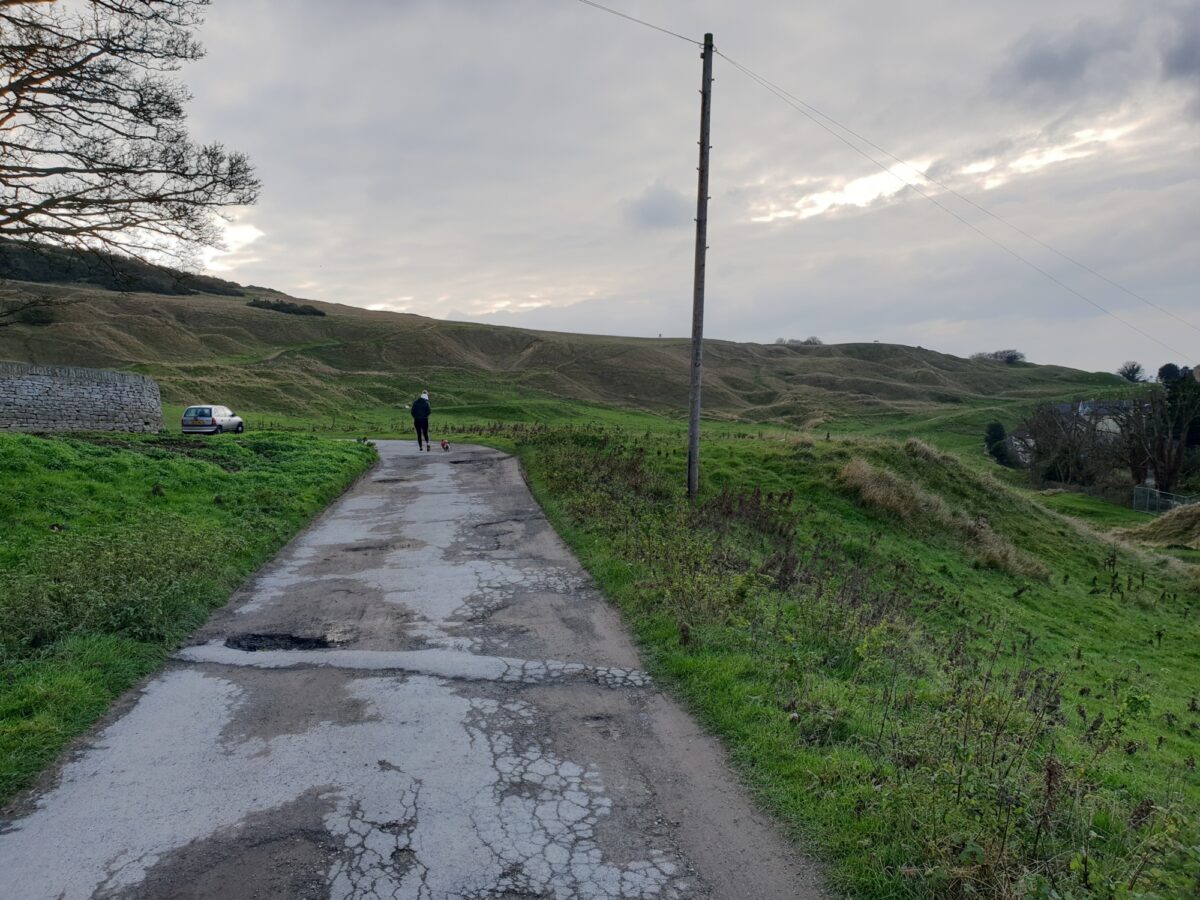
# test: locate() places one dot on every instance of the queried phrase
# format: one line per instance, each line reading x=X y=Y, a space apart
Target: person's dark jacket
x=420 y=408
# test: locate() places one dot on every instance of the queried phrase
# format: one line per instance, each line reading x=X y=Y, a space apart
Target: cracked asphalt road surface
x=423 y=696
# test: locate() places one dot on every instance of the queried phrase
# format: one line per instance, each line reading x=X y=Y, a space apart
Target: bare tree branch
x=94 y=150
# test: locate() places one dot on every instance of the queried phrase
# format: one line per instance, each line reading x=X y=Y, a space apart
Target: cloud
x=857 y=193
x=1059 y=62
x=1181 y=58
x=1181 y=54
x=1133 y=50
x=661 y=206
x=236 y=236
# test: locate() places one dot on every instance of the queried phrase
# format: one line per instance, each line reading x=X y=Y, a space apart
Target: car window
x=200 y=412
x=189 y=412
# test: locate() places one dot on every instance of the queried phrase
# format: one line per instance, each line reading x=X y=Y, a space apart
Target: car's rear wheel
x=240 y=428
x=219 y=430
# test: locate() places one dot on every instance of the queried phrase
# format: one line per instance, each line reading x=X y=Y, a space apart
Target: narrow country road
x=423 y=696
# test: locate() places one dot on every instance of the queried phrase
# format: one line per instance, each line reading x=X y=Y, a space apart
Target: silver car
x=211 y=420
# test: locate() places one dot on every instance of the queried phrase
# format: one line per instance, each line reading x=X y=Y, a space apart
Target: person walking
x=420 y=414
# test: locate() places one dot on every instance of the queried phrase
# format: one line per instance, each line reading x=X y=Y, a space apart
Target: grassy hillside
x=355 y=362
x=948 y=688
x=112 y=548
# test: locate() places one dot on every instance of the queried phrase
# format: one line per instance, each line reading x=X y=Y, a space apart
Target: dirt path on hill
x=423 y=696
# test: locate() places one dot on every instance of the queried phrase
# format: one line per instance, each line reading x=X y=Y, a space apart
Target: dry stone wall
x=64 y=398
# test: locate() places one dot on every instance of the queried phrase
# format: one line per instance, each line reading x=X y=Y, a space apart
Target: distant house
x=1104 y=415
x=1019 y=443
x=1064 y=436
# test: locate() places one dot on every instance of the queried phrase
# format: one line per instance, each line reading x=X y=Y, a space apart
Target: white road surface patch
x=443 y=663
x=480 y=809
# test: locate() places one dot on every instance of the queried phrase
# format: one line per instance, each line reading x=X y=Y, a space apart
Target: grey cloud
x=1181 y=55
x=1106 y=58
x=1064 y=59
x=660 y=206
x=1086 y=58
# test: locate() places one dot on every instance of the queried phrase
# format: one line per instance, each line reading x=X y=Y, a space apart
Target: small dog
x=445 y=445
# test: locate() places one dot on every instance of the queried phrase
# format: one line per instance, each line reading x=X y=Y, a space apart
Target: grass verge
x=935 y=720
x=114 y=547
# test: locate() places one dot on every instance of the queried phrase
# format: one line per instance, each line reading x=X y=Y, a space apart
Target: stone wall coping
x=72 y=373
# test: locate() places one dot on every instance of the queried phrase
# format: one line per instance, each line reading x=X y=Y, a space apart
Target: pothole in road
x=276 y=641
x=388 y=480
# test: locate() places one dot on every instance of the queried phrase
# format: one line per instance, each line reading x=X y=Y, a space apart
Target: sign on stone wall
x=65 y=398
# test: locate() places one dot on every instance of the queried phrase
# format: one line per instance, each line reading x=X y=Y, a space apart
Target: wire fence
x=1150 y=500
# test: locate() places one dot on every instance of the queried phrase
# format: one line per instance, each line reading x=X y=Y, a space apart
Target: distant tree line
x=1168 y=373
x=1012 y=357
x=44 y=264
x=286 y=306
x=811 y=341
x=1154 y=435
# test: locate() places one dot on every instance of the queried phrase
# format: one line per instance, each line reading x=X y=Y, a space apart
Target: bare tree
x=1155 y=430
x=1132 y=371
x=94 y=150
x=1067 y=442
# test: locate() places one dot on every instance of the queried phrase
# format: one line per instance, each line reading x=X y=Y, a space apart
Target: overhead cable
x=614 y=12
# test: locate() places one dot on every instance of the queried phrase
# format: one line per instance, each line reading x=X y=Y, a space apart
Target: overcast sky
x=533 y=163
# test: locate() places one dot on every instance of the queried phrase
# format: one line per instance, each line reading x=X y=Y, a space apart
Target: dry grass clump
x=922 y=450
x=1178 y=528
x=887 y=492
x=997 y=552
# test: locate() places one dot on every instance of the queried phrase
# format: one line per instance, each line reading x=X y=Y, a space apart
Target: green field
x=115 y=547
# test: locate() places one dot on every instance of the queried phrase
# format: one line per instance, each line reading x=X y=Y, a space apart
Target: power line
x=799 y=106
x=642 y=22
x=981 y=208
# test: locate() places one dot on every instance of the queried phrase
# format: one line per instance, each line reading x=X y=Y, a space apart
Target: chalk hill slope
x=214 y=345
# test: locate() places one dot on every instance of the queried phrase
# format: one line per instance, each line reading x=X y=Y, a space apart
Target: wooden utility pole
x=693 y=473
